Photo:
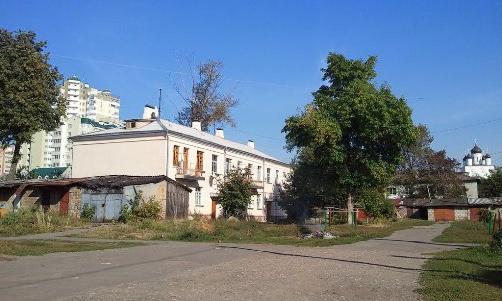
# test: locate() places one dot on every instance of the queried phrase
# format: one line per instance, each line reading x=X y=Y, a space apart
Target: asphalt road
x=379 y=269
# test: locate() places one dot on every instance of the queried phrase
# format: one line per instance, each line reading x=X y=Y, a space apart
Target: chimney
x=251 y=143
x=196 y=125
x=219 y=133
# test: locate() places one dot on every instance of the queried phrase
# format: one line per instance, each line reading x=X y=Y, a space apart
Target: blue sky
x=445 y=57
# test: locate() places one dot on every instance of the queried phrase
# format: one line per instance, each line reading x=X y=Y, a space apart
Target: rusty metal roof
x=111 y=181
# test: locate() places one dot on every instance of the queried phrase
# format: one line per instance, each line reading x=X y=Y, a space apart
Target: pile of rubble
x=318 y=234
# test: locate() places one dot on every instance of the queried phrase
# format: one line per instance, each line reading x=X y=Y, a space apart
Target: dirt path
x=379 y=269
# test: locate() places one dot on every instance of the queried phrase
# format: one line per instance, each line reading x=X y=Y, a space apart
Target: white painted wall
x=144 y=156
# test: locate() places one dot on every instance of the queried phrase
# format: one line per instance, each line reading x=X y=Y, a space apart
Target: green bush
x=88 y=212
x=139 y=208
x=374 y=203
x=150 y=209
x=496 y=243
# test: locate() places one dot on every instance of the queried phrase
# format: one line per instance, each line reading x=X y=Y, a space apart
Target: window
x=200 y=161
x=391 y=190
x=228 y=165
x=250 y=168
x=214 y=164
x=276 y=177
x=250 y=205
x=185 y=158
x=239 y=165
x=198 y=198
x=258 y=173
x=259 y=202
x=268 y=175
x=176 y=155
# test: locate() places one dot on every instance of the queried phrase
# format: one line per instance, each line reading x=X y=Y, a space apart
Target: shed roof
x=453 y=202
x=111 y=181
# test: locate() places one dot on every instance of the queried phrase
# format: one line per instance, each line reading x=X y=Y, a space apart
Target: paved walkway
x=378 y=269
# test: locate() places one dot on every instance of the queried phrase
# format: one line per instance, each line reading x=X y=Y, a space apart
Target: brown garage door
x=444 y=214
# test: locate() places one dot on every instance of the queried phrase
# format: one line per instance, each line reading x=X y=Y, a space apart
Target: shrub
x=139 y=208
x=496 y=243
x=235 y=193
x=376 y=205
x=150 y=209
x=88 y=212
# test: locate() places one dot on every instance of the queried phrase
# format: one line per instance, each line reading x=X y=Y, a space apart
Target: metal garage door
x=107 y=206
x=444 y=214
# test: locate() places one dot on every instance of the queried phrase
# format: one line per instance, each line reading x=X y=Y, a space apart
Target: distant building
x=54 y=149
x=475 y=164
x=88 y=110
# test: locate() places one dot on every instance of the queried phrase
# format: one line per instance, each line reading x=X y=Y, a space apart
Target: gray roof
x=180 y=130
x=485 y=201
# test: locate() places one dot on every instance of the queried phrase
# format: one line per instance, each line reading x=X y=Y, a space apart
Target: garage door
x=444 y=214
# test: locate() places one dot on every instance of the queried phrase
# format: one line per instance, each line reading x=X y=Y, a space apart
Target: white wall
x=144 y=156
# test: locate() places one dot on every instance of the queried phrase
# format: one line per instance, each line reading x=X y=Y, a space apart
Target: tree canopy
x=29 y=93
x=351 y=136
x=206 y=103
x=491 y=186
x=235 y=191
x=426 y=173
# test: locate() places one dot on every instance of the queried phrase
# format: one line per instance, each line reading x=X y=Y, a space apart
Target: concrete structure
x=54 y=149
x=86 y=101
x=106 y=194
x=191 y=156
x=475 y=164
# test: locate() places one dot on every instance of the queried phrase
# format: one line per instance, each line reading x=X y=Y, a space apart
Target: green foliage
x=491 y=186
x=28 y=221
x=139 y=208
x=235 y=193
x=88 y=212
x=351 y=137
x=29 y=93
x=149 y=209
x=426 y=173
x=484 y=215
x=374 y=203
x=496 y=242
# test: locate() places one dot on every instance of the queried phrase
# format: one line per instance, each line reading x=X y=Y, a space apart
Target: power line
x=173 y=71
x=467 y=126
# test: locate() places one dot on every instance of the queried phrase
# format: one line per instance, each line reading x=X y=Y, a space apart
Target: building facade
x=149 y=147
x=477 y=164
x=88 y=110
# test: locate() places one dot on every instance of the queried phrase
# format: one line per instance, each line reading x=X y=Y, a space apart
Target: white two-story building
x=150 y=147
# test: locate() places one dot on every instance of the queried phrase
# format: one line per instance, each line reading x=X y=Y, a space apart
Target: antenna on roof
x=160 y=102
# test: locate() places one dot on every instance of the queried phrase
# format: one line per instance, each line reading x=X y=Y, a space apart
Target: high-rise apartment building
x=88 y=110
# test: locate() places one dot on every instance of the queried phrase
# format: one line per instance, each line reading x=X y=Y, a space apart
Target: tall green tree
x=29 y=93
x=235 y=192
x=351 y=136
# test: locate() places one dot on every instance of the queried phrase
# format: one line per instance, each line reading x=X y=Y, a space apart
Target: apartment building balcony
x=194 y=174
x=257 y=184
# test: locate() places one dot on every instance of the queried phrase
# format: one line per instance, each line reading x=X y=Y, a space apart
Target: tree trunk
x=350 y=208
x=15 y=159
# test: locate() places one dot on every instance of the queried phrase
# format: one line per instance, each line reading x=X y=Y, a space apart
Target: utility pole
x=160 y=102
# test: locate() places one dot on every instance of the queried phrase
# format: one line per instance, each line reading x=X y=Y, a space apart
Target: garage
x=444 y=214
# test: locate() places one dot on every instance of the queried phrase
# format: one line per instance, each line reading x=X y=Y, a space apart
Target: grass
x=24 y=221
x=242 y=232
x=465 y=232
x=466 y=274
x=42 y=247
